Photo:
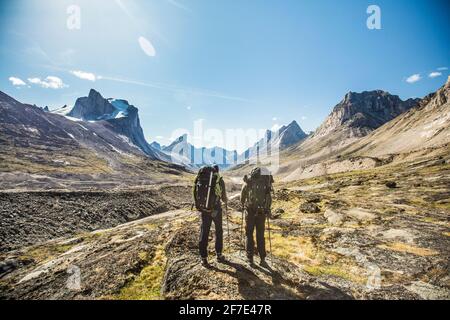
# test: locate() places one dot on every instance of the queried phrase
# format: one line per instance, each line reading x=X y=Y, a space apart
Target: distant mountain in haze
x=181 y=151
x=276 y=141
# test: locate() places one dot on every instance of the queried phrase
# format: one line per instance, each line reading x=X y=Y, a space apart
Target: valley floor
x=382 y=233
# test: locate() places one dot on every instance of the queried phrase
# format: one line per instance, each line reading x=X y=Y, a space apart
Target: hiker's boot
x=205 y=262
x=263 y=263
x=221 y=258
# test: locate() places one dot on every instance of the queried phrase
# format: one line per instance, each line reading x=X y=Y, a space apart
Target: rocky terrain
x=32 y=217
x=377 y=234
x=361 y=210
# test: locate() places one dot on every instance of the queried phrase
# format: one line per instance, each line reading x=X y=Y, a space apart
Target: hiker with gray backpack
x=256 y=200
x=209 y=190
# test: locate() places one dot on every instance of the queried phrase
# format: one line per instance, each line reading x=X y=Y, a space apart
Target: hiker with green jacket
x=209 y=191
x=256 y=200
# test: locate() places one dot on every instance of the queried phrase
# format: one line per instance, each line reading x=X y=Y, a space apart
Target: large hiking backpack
x=205 y=189
x=259 y=186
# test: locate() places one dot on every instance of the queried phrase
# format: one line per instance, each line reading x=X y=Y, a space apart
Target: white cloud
x=304 y=118
x=414 y=78
x=442 y=68
x=85 y=75
x=274 y=119
x=435 y=74
x=51 y=82
x=147 y=47
x=189 y=107
x=17 y=81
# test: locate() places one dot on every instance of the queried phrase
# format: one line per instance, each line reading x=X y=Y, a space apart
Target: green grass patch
x=146 y=285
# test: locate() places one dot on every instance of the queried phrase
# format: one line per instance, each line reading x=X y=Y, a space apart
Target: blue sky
x=235 y=64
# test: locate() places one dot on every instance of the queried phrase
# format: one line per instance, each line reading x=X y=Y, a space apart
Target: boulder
x=391 y=184
x=309 y=207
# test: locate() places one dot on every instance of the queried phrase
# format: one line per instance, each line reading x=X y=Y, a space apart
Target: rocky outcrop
x=427 y=126
x=52 y=150
x=361 y=113
x=92 y=108
x=290 y=135
x=118 y=116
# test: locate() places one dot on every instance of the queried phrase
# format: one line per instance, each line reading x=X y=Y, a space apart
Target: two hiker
x=256 y=200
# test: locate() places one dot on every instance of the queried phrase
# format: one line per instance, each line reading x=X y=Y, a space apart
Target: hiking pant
x=256 y=221
x=207 y=219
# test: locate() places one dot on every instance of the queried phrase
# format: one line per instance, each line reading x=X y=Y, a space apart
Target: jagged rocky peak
x=365 y=112
x=293 y=128
x=291 y=134
x=94 y=107
x=438 y=99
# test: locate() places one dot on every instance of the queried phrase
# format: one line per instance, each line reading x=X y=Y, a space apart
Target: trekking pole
x=270 y=241
x=242 y=233
x=228 y=229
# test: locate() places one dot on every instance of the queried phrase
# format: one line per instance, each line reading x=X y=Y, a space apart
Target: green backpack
x=259 y=188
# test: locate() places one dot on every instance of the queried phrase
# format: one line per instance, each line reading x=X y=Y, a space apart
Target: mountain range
x=36 y=144
x=100 y=136
x=183 y=152
x=366 y=136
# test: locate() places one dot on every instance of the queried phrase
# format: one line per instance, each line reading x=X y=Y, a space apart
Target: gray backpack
x=259 y=188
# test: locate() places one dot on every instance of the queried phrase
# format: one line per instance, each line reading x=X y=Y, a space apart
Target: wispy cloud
x=51 y=82
x=17 y=81
x=435 y=74
x=179 y=5
x=177 y=89
x=85 y=75
x=124 y=9
x=414 y=78
x=442 y=68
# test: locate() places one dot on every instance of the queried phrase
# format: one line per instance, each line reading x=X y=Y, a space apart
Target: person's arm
x=269 y=196
x=243 y=195
x=194 y=191
x=224 y=191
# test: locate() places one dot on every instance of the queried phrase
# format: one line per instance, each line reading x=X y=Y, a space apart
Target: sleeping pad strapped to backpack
x=206 y=188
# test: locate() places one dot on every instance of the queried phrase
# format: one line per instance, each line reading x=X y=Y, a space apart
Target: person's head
x=216 y=168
